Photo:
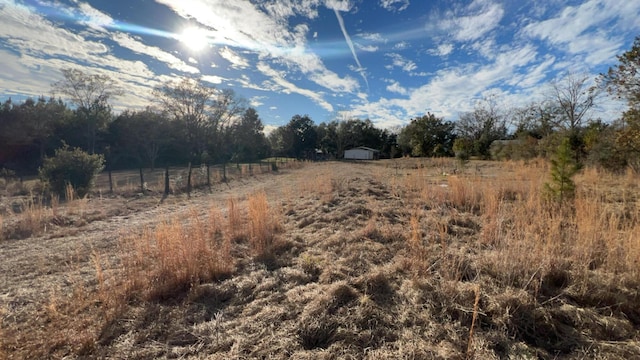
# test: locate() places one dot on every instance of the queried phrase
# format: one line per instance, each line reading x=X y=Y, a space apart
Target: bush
x=463 y=147
x=71 y=167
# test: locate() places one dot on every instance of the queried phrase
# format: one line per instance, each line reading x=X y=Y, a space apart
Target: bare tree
x=573 y=98
x=188 y=101
x=91 y=95
x=204 y=111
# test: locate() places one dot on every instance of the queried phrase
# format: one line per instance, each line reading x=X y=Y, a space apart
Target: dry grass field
x=403 y=259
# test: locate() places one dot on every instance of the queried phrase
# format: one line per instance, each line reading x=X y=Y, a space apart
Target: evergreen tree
x=563 y=168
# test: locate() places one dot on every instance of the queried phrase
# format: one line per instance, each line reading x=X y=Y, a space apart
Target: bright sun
x=194 y=38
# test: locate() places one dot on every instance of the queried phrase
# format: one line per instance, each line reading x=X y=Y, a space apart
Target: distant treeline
x=191 y=122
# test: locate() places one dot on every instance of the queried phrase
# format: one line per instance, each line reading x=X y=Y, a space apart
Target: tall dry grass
x=234 y=219
x=263 y=225
x=31 y=220
x=528 y=237
x=173 y=257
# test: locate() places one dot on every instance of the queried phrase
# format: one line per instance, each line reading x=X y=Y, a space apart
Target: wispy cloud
x=288 y=87
x=579 y=30
x=237 y=61
x=468 y=23
x=394 y=5
x=129 y=42
x=347 y=38
x=367 y=48
x=243 y=25
x=399 y=61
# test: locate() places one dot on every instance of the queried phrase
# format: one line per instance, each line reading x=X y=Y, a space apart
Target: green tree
x=71 y=167
x=91 y=95
x=140 y=135
x=250 y=142
x=27 y=131
x=428 y=136
x=623 y=80
x=279 y=141
x=355 y=132
x=563 y=168
x=481 y=127
x=328 y=138
x=300 y=137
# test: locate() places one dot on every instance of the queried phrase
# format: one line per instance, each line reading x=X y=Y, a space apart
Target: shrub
x=72 y=167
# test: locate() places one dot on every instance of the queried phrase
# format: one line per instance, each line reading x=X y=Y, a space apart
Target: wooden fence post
x=110 y=180
x=166 y=181
x=189 y=181
x=141 y=181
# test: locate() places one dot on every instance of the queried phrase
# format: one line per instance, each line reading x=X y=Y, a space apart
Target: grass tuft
x=263 y=225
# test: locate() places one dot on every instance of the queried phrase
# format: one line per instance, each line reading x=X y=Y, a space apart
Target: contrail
x=350 y=43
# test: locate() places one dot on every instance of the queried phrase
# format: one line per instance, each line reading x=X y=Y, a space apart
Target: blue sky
x=386 y=60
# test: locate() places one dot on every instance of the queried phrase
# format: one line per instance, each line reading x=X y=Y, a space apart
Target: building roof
x=365 y=148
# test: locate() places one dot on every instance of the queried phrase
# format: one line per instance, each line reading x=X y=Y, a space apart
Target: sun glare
x=194 y=38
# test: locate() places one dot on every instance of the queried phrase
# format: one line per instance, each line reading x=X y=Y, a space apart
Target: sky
x=383 y=60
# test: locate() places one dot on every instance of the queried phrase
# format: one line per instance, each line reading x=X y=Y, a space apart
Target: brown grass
x=174 y=257
x=372 y=260
x=263 y=225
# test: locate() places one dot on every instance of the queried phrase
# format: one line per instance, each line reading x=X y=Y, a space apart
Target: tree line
x=190 y=121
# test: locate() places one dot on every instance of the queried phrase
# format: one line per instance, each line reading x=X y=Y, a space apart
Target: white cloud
x=257 y=101
x=397 y=88
x=442 y=50
x=129 y=42
x=283 y=9
x=579 y=29
x=94 y=18
x=237 y=61
x=38 y=49
x=366 y=48
x=268 y=129
x=339 y=5
x=287 y=87
x=451 y=90
x=243 y=25
x=398 y=61
x=213 y=79
x=470 y=23
x=373 y=37
x=394 y=5
x=402 y=45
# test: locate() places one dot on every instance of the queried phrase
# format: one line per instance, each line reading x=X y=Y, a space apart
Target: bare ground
x=342 y=281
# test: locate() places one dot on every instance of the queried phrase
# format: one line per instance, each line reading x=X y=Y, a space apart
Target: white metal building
x=361 y=153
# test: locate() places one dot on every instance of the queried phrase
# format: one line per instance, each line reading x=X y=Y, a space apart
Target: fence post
x=110 y=180
x=141 y=180
x=189 y=181
x=166 y=181
x=208 y=177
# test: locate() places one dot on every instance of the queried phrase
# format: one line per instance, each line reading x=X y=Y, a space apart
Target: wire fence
x=184 y=179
